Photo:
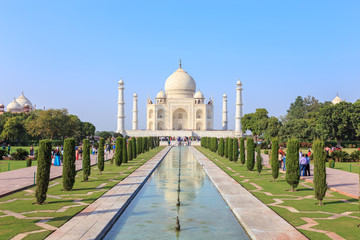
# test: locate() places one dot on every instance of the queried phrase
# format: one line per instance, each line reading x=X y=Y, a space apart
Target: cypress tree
x=124 y=151
x=118 y=151
x=216 y=146
x=235 y=150
x=130 y=152
x=144 y=148
x=250 y=150
x=226 y=147
x=221 y=147
x=258 y=159
x=69 y=170
x=134 y=148
x=274 y=158
x=43 y=170
x=101 y=162
x=292 y=164
x=86 y=160
x=242 y=151
x=320 y=185
x=230 y=149
x=138 y=146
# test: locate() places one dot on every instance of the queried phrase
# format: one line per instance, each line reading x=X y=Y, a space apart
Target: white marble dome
x=22 y=100
x=161 y=94
x=14 y=106
x=180 y=85
x=199 y=94
x=336 y=100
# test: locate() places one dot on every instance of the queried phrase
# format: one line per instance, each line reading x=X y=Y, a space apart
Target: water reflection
x=203 y=214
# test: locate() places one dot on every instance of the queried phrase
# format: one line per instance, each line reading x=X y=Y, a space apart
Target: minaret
x=135 y=113
x=121 y=112
x=239 y=105
x=225 y=115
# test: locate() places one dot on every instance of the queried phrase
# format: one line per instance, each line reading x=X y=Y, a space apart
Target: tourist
x=302 y=162
x=93 y=150
x=307 y=167
x=300 y=154
x=77 y=153
x=80 y=153
x=283 y=162
x=31 y=150
x=57 y=161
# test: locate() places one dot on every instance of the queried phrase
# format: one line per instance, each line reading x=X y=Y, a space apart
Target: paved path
x=22 y=178
x=340 y=181
x=95 y=220
x=258 y=220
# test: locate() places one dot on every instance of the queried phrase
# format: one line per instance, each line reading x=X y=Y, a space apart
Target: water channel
x=203 y=214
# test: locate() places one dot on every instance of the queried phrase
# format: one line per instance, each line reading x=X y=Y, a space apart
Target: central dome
x=180 y=85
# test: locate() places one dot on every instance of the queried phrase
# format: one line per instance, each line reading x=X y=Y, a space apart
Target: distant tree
x=274 y=158
x=319 y=156
x=86 y=160
x=255 y=122
x=69 y=170
x=124 y=151
x=13 y=129
x=250 y=162
x=292 y=164
x=226 y=151
x=297 y=109
x=221 y=147
x=273 y=126
x=242 y=151
x=230 y=149
x=235 y=150
x=43 y=171
x=118 y=151
x=258 y=159
x=101 y=162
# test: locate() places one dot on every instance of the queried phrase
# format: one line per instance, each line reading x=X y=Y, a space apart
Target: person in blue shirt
x=307 y=167
x=284 y=165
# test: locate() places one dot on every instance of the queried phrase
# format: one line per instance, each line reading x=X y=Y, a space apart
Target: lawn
x=5 y=165
x=296 y=207
x=23 y=216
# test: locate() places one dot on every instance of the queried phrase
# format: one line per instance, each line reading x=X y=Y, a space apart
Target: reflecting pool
x=203 y=214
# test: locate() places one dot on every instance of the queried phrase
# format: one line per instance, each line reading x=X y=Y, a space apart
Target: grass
x=302 y=200
x=345 y=166
x=14 y=164
x=58 y=200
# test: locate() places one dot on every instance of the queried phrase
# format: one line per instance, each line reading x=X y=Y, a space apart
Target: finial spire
x=180 y=63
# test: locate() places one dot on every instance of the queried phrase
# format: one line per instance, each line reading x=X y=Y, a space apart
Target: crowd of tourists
x=304 y=161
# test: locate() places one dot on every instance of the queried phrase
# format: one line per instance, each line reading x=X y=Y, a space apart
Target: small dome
x=121 y=82
x=336 y=100
x=14 y=106
x=161 y=94
x=180 y=85
x=2 y=105
x=22 y=100
x=199 y=94
x=135 y=95
x=224 y=96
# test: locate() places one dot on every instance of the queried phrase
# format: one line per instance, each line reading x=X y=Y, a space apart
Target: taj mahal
x=179 y=111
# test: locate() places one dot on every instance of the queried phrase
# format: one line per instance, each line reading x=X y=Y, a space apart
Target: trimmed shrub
x=221 y=147
x=230 y=149
x=226 y=145
x=258 y=159
x=101 y=162
x=86 y=160
x=320 y=185
x=3 y=153
x=43 y=171
x=266 y=152
x=355 y=155
x=242 y=151
x=130 y=152
x=274 y=158
x=118 y=151
x=250 y=150
x=28 y=162
x=235 y=150
x=215 y=144
x=292 y=164
x=69 y=171
x=19 y=154
x=133 y=142
x=331 y=163
x=124 y=151
x=138 y=145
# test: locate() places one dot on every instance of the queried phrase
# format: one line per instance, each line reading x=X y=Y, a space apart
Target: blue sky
x=71 y=54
